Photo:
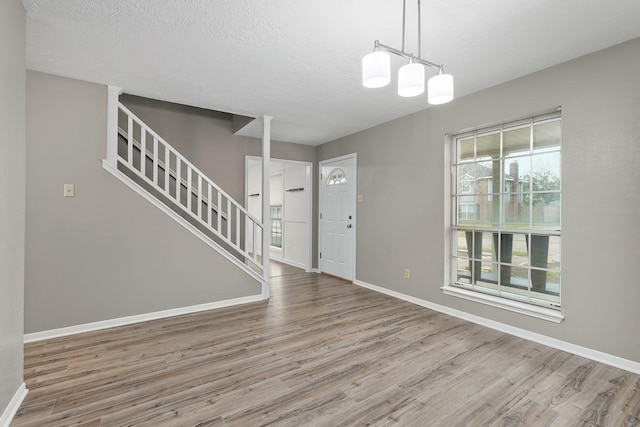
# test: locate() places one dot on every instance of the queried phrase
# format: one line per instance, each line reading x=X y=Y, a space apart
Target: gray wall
x=401 y=174
x=107 y=252
x=12 y=195
x=206 y=138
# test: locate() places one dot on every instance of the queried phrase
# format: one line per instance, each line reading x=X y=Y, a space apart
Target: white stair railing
x=156 y=163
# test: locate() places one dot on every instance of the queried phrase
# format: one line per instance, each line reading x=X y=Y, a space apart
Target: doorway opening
x=291 y=198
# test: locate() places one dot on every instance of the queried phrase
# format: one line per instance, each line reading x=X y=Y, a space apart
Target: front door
x=337 y=216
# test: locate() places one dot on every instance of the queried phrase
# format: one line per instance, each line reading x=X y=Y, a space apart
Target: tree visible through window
x=506 y=211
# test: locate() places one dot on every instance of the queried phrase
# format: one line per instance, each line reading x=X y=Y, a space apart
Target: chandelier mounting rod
x=379 y=46
x=404 y=21
x=419 y=32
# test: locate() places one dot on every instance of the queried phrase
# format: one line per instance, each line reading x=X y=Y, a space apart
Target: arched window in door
x=337 y=177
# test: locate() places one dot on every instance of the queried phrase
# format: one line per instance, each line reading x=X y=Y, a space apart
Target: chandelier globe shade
x=440 y=89
x=376 y=69
x=411 y=80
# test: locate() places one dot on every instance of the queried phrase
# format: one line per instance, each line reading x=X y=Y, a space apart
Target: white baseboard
x=104 y=324
x=598 y=356
x=14 y=405
x=293 y=263
x=278 y=257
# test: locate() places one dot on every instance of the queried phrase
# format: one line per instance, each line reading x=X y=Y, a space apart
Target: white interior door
x=337 y=216
x=297 y=214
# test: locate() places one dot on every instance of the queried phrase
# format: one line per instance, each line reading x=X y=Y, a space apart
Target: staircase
x=148 y=164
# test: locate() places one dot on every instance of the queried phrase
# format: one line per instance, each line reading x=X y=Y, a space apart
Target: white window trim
x=515 y=306
x=272 y=246
x=505 y=303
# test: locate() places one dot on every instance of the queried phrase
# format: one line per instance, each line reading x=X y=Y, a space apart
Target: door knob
x=349 y=226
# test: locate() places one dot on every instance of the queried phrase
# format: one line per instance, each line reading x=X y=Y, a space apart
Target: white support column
x=266 y=211
x=113 y=92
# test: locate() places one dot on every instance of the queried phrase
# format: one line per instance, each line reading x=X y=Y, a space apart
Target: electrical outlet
x=407 y=273
x=69 y=190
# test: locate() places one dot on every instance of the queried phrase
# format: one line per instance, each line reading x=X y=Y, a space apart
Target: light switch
x=360 y=198
x=69 y=190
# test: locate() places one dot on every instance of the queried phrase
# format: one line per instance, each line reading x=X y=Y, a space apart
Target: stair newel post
x=266 y=212
x=113 y=93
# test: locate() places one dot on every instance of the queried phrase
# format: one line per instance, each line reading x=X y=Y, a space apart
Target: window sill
x=505 y=304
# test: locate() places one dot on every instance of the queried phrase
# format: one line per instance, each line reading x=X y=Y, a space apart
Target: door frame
x=321 y=202
x=309 y=256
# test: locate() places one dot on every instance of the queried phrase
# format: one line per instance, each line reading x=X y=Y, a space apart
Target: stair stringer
x=182 y=221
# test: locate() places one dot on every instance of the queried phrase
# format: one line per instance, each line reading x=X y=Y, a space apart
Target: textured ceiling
x=300 y=60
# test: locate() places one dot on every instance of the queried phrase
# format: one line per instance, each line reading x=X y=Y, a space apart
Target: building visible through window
x=506 y=203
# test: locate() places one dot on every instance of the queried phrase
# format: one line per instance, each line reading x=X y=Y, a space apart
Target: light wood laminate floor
x=321 y=352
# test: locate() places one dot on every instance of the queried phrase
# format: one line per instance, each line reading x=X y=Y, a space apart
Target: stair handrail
x=185 y=160
x=172 y=173
x=202 y=189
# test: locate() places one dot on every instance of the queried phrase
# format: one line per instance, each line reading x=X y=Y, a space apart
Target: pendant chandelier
x=376 y=69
